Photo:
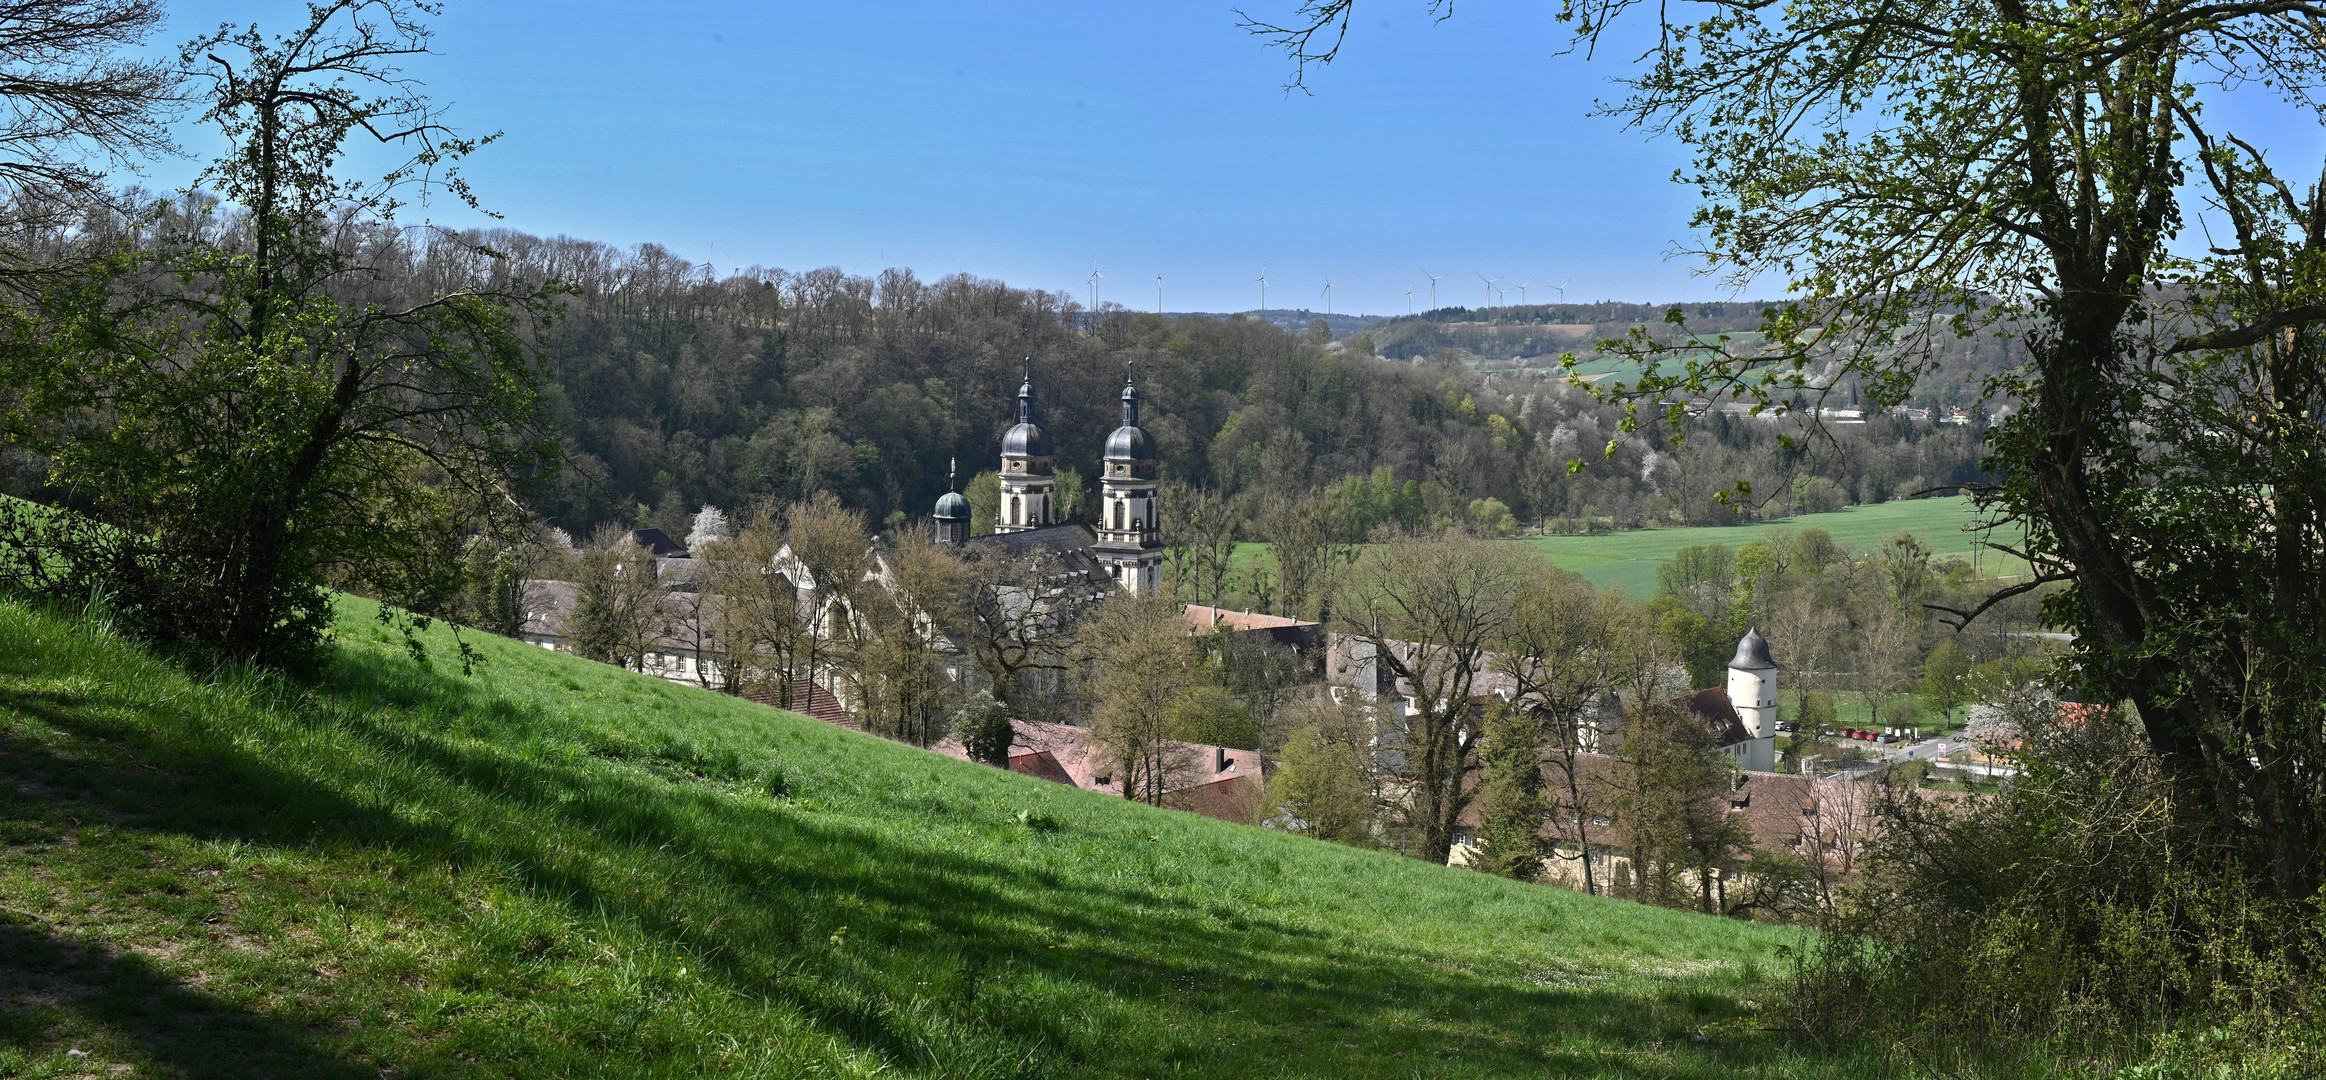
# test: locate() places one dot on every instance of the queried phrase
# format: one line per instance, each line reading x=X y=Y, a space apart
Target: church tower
x=1026 y=478
x=952 y=514
x=1130 y=544
x=1752 y=690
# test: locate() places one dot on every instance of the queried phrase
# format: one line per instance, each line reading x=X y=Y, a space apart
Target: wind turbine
x=1263 y=280
x=1562 y=287
x=1425 y=271
x=1409 y=299
x=1522 y=291
x=1158 y=294
x=1489 y=288
x=1093 y=280
x=1328 y=293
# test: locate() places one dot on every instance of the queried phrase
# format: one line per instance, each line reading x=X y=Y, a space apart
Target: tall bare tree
x=763 y=627
x=897 y=669
x=70 y=94
x=1015 y=614
x=1199 y=538
x=829 y=542
x=1431 y=608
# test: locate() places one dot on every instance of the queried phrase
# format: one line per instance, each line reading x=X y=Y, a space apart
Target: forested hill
x=672 y=390
x=676 y=390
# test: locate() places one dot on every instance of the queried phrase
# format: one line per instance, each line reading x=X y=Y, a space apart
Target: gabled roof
x=1718 y=714
x=659 y=542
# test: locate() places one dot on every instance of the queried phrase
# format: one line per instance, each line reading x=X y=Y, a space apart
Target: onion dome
x=1027 y=439
x=1130 y=442
x=1752 y=653
x=951 y=506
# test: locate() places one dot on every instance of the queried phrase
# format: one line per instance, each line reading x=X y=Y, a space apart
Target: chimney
x=1219 y=756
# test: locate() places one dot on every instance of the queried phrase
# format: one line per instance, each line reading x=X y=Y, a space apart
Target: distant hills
x=1295 y=319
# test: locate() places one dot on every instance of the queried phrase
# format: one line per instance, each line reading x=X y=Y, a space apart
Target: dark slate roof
x=1070 y=542
x=658 y=542
x=1026 y=440
x=1752 y=652
x=1130 y=442
x=951 y=506
x=1719 y=716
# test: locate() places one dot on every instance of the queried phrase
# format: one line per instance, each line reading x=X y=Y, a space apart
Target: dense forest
x=674 y=389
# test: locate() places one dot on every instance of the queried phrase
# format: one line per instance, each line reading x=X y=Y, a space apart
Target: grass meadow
x=556 y=868
x=1629 y=557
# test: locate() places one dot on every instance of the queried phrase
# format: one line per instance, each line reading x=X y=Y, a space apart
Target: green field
x=1629 y=558
x=555 y=868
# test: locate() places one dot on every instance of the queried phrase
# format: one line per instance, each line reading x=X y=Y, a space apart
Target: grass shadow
x=59 y=995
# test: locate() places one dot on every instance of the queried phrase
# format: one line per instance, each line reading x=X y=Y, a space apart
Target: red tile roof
x=1202 y=619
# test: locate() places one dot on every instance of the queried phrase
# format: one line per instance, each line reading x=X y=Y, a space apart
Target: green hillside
x=555 y=868
x=1629 y=558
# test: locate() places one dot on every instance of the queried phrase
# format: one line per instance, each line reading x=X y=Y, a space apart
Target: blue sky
x=1028 y=141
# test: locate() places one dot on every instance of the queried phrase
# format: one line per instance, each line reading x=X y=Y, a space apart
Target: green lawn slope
x=554 y=868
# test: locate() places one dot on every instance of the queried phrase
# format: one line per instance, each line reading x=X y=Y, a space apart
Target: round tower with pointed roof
x=1130 y=543
x=1028 y=482
x=952 y=513
x=1752 y=691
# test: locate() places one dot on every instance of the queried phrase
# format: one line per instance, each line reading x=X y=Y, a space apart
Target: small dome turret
x=952 y=513
x=1752 y=653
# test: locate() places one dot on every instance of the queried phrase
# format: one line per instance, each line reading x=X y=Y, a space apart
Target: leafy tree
x=898 y=669
x=1511 y=800
x=1565 y=659
x=504 y=578
x=1671 y=806
x=1324 y=782
x=1210 y=715
x=1069 y=496
x=1702 y=646
x=1946 y=678
x=983 y=727
x=617 y=606
x=1145 y=669
x=1489 y=517
x=250 y=401
x=984 y=495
